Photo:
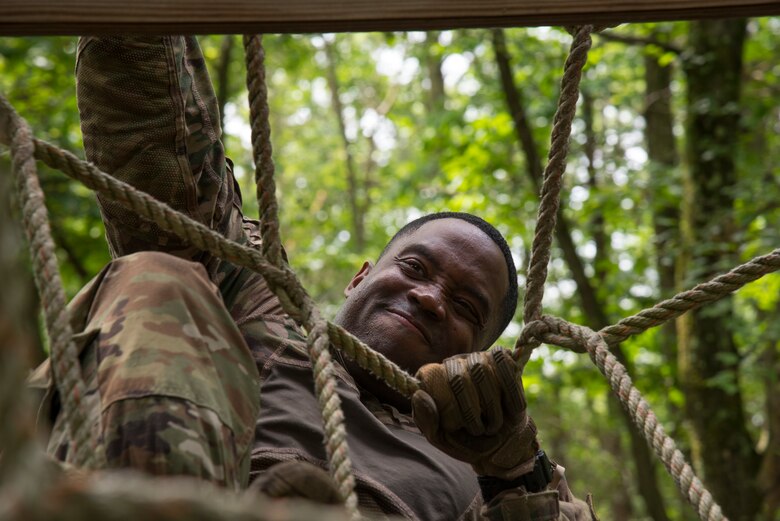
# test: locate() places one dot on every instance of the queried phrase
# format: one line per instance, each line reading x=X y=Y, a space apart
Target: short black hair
x=509 y=304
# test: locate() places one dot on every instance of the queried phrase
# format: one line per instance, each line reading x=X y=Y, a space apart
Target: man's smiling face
x=436 y=292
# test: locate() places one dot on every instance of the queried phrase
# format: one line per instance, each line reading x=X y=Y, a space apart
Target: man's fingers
x=472 y=407
x=489 y=389
x=425 y=415
x=513 y=397
x=435 y=381
x=465 y=393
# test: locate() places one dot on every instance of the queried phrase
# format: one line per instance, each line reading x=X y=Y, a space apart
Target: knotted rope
x=556 y=331
x=65 y=366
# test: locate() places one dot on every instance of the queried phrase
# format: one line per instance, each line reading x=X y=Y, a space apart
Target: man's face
x=435 y=293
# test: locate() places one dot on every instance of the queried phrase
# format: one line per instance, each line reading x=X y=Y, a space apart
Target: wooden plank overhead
x=70 y=17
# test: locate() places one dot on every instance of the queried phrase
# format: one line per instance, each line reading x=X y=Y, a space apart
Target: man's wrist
x=534 y=481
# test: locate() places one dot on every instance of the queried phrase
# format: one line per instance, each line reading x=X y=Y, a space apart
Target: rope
x=685 y=301
x=17 y=422
x=261 y=146
x=64 y=355
x=553 y=173
x=551 y=330
x=694 y=298
x=336 y=446
x=373 y=361
x=333 y=416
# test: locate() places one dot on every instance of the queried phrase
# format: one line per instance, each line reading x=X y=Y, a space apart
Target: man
x=175 y=344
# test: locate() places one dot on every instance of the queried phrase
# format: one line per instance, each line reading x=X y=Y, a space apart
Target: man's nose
x=430 y=299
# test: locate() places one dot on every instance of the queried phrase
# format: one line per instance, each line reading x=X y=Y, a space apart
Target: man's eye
x=413 y=265
x=465 y=309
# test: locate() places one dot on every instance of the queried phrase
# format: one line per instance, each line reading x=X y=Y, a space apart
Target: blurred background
x=673 y=177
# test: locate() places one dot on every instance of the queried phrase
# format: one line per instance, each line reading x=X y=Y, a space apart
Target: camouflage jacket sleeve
x=150 y=117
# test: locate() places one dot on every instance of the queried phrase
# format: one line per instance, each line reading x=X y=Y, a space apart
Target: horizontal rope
x=197 y=234
x=704 y=293
x=693 y=298
x=551 y=330
x=373 y=361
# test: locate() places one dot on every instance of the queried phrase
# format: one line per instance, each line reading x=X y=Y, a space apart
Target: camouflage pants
x=174 y=388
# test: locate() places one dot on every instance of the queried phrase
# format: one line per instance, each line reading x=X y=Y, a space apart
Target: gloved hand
x=291 y=479
x=473 y=408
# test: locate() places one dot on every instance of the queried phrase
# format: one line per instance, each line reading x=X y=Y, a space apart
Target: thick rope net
x=321 y=333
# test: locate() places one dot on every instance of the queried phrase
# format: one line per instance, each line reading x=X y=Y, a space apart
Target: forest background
x=673 y=177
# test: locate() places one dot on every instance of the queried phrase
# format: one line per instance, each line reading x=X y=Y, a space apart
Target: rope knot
x=555 y=331
x=530 y=336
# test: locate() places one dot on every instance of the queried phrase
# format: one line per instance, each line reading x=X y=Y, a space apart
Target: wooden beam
x=71 y=17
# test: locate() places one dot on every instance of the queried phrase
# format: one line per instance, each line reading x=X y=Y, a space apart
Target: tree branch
x=639 y=40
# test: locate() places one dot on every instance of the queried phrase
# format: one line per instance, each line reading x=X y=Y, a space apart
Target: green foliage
x=427 y=129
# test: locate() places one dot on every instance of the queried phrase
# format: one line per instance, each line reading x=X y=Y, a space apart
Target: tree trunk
x=663 y=164
x=592 y=307
x=769 y=476
x=433 y=65
x=223 y=75
x=708 y=356
x=596 y=220
x=353 y=184
x=620 y=500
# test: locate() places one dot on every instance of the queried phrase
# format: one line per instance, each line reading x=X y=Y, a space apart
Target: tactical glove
x=472 y=408
x=301 y=479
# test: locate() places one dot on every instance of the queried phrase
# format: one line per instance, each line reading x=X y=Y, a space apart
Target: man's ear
x=358 y=278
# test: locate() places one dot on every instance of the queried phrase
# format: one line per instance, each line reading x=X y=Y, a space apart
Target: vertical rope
x=261 y=147
x=64 y=356
x=332 y=415
x=553 y=174
x=17 y=349
x=317 y=339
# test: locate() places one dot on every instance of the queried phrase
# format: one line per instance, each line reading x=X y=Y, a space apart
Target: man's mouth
x=411 y=323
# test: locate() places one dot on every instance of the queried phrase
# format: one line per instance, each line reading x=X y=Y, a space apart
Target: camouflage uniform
x=175 y=384
x=177 y=346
